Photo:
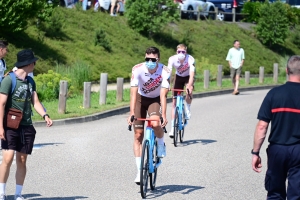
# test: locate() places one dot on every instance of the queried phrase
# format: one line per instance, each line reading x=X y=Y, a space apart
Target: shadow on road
x=198 y=141
x=38 y=196
x=40 y=145
x=162 y=190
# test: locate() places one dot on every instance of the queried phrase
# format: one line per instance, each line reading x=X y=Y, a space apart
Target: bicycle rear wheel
x=144 y=169
x=183 y=122
x=155 y=161
x=176 y=127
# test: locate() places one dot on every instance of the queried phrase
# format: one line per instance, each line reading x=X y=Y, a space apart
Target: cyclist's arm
x=163 y=101
x=165 y=85
x=192 y=74
x=133 y=92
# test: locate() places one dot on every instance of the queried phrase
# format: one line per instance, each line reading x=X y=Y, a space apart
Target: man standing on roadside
x=3 y=52
x=235 y=58
x=19 y=139
x=281 y=107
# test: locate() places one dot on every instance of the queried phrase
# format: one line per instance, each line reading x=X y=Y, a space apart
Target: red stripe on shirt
x=285 y=110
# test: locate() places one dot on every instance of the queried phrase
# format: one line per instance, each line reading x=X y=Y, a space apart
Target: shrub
x=295 y=36
x=150 y=16
x=47 y=85
x=293 y=15
x=14 y=15
x=205 y=64
x=253 y=11
x=272 y=27
x=100 y=39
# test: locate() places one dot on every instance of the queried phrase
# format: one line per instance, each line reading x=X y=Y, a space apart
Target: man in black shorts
x=281 y=107
x=21 y=139
x=148 y=94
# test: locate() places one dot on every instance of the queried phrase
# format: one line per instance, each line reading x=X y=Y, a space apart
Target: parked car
x=226 y=6
x=195 y=5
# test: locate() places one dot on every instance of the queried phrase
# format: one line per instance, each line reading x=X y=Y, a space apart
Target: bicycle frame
x=180 y=107
x=149 y=135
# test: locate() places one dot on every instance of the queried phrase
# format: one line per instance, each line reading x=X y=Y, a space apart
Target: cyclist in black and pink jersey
x=185 y=71
x=148 y=93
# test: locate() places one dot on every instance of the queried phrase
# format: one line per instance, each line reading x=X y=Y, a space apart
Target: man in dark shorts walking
x=281 y=107
x=21 y=139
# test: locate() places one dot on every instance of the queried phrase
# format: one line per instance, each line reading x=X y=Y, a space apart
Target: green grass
x=75 y=41
x=75 y=108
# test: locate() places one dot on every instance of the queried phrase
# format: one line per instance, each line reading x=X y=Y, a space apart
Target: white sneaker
x=2 y=197
x=18 y=197
x=137 y=178
x=161 y=150
x=171 y=133
x=113 y=15
x=187 y=114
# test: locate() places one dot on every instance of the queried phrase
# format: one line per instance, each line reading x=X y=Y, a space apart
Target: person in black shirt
x=281 y=107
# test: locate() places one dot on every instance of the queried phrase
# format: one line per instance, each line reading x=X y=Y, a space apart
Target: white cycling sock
x=172 y=124
x=160 y=141
x=19 y=189
x=2 y=188
x=138 y=162
x=188 y=107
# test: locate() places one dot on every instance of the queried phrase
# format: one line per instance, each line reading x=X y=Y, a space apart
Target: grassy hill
x=75 y=43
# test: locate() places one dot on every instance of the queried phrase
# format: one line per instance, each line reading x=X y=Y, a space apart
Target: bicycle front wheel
x=183 y=122
x=155 y=162
x=144 y=169
x=176 y=127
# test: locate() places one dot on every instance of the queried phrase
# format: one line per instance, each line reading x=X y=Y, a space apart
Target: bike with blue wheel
x=180 y=120
x=149 y=159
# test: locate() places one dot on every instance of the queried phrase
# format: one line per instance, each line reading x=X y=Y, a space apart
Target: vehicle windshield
x=292 y=2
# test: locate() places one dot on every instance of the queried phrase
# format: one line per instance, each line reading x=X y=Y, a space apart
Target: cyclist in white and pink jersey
x=148 y=93
x=185 y=71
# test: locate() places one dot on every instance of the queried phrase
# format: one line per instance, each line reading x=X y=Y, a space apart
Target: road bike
x=180 y=120
x=149 y=159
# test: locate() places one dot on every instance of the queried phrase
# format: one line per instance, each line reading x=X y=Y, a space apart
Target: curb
x=125 y=109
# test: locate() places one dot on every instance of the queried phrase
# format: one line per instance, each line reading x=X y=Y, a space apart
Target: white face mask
x=181 y=56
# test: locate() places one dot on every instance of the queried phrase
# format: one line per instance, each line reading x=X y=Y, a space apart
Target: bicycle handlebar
x=132 y=118
x=179 y=90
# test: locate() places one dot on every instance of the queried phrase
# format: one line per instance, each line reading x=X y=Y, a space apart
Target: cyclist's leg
x=187 y=98
x=140 y=112
x=154 y=113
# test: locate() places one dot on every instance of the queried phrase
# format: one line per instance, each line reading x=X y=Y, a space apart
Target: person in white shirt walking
x=235 y=58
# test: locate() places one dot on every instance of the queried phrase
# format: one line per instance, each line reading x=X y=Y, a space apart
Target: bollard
x=120 y=82
x=261 y=74
x=233 y=14
x=275 y=73
x=103 y=88
x=220 y=73
x=216 y=12
x=206 y=79
x=247 y=77
x=87 y=94
x=62 y=99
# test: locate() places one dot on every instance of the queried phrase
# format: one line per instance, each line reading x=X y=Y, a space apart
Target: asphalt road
x=95 y=160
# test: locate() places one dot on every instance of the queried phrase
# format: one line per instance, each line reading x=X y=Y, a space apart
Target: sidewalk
x=112 y=86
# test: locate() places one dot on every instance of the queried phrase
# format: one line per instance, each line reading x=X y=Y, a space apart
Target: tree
x=150 y=16
x=14 y=15
x=273 y=25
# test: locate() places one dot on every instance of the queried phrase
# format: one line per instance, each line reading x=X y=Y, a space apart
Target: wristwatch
x=254 y=153
x=45 y=116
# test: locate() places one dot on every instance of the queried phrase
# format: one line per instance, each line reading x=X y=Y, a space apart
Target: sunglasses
x=181 y=51
x=152 y=59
